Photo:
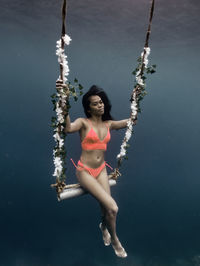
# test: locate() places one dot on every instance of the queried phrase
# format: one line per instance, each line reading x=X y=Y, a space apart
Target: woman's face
x=96 y=105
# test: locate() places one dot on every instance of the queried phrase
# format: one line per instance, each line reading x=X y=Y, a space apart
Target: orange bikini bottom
x=92 y=171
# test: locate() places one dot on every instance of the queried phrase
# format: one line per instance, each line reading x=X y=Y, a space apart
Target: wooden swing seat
x=76 y=190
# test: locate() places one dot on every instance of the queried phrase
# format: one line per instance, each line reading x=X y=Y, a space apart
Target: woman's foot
x=119 y=250
x=106 y=235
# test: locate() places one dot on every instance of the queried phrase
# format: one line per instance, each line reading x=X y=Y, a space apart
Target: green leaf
x=134 y=72
x=73 y=90
x=53 y=119
x=53 y=95
x=152 y=71
x=80 y=86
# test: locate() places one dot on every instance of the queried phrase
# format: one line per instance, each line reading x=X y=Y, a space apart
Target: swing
x=62 y=106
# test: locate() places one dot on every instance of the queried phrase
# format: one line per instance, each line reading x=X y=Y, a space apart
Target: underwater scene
x=157 y=194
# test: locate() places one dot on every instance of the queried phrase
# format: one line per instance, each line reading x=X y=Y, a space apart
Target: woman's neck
x=96 y=119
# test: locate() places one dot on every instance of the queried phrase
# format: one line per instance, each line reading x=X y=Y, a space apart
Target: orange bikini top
x=92 y=141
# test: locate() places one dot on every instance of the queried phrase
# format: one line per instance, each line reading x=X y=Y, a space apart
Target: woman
x=91 y=169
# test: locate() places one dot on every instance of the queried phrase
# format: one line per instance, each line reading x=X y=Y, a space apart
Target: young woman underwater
x=91 y=169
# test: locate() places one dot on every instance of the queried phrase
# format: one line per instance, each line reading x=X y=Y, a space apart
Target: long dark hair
x=94 y=90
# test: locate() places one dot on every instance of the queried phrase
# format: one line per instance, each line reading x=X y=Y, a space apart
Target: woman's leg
x=103 y=226
x=104 y=230
x=96 y=188
x=110 y=218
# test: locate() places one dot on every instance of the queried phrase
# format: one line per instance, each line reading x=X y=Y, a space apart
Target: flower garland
x=139 y=90
x=62 y=106
x=137 y=95
x=60 y=99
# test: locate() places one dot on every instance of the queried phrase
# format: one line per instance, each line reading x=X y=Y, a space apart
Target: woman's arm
x=118 y=124
x=78 y=123
x=74 y=126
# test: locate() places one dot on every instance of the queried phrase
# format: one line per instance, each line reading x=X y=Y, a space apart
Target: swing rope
x=137 y=95
x=61 y=105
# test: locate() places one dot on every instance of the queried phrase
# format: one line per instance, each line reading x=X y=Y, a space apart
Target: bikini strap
x=74 y=163
x=108 y=166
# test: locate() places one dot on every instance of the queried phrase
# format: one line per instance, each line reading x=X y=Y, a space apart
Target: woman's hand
x=61 y=85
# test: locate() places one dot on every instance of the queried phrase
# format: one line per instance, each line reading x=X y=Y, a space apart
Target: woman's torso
x=94 y=137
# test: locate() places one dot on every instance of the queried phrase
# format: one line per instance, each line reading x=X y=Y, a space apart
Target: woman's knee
x=112 y=210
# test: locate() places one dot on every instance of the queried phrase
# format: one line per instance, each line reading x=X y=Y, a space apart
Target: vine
x=61 y=105
x=139 y=91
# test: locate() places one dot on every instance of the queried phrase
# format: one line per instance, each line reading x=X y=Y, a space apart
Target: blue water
x=158 y=193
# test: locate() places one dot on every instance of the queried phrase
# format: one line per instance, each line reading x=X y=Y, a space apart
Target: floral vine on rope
x=138 y=94
x=60 y=100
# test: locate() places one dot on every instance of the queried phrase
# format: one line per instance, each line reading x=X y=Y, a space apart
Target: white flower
x=140 y=80
x=146 y=61
x=121 y=154
x=56 y=136
x=58 y=166
x=58 y=43
x=127 y=135
x=134 y=106
x=67 y=39
x=57 y=172
x=61 y=119
x=58 y=110
x=138 y=72
x=130 y=128
x=122 y=150
x=59 y=51
x=134 y=114
x=57 y=161
x=62 y=57
x=147 y=52
x=129 y=123
x=61 y=143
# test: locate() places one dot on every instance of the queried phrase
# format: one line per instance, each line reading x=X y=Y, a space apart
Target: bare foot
x=119 y=250
x=106 y=235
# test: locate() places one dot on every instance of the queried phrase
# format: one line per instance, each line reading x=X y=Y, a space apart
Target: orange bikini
x=92 y=142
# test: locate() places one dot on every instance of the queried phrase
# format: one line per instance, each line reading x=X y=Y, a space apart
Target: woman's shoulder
x=108 y=122
x=84 y=121
x=80 y=121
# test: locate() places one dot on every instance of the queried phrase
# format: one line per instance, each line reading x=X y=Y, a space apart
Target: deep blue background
x=158 y=194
